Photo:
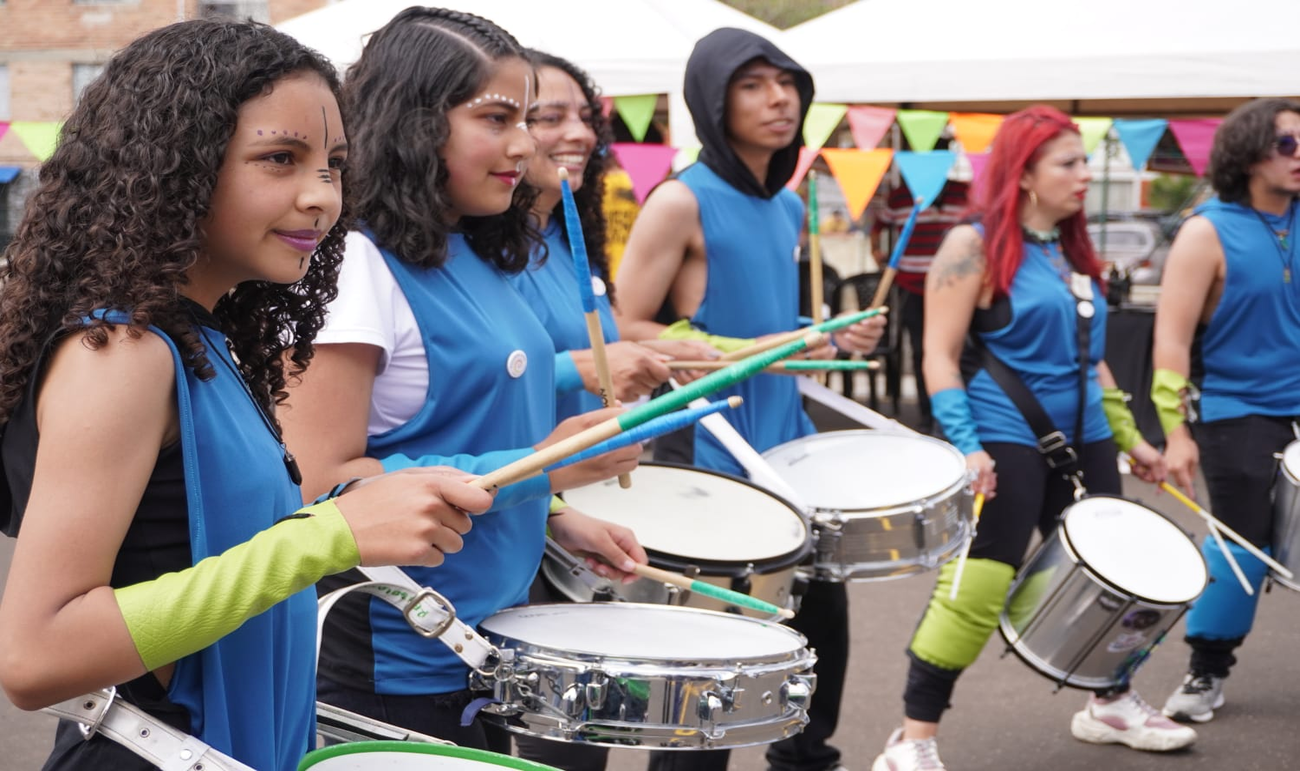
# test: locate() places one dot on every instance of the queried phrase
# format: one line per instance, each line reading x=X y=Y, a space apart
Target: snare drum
x=652 y=676
x=884 y=505
x=1101 y=592
x=1286 y=515
x=402 y=756
x=734 y=533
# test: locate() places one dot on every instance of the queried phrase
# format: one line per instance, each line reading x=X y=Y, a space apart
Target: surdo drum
x=1286 y=515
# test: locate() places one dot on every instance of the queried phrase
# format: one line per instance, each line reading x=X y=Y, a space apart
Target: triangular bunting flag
x=1196 y=137
x=977 y=163
x=975 y=130
x=1092 y=130
x=637 y=112
x=921 y=127
x=686 y=156
x=4 y=128
x=647 y=165
x=869 y=125
x=606 y=105
x=821 y=122
x=806 y=157
x=925 y=173
x=1140 y=138
x=40 y=137
x=859 y=173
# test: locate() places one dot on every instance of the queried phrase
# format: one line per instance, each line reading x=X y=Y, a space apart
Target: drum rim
x=734 y=568
x=1086 y=566
x=780 y=659
x=416 y=748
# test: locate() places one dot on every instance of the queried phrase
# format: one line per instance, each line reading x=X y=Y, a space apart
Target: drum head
x=625 y=630
x=1135 y=549
x=1291 y=460
x=864 y=470
x=697 y=515
x=408 y=756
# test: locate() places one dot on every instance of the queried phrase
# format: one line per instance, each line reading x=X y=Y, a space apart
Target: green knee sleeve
x=952 y=634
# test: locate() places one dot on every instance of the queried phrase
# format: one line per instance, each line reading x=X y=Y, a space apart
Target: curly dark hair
x=411 y=73
x=590 y=197
x=116 y=221
x=1243 y=139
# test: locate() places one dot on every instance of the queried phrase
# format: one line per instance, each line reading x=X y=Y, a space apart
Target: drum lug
x=798 y=690
x=572 y=700
x=596 y=691
x=710 y=708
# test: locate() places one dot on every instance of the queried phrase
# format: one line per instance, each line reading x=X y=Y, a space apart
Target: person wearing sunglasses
x=1232 y=269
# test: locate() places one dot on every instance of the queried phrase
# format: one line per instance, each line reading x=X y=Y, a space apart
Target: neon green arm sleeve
x=682 y=330
x=177 y=614
x=1167 y=389
x=1114 y=403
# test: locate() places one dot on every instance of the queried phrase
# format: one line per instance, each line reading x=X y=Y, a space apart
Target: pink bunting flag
x=4 y=128
x=647 y=165
x=977 y=163
x=606 y=105
x=806 y=157
x=869 y=124
x=1195 y=136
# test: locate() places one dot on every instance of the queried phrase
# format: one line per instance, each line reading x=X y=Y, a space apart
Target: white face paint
x=490 y=98
x=528 y=100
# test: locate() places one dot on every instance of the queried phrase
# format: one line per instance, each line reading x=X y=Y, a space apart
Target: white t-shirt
x=371 y=309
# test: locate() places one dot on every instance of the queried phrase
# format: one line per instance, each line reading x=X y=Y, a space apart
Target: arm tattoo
x=952 y=269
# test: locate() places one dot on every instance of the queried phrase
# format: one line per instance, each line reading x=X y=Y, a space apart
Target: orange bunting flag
x=806 y=157
x=975 y=130
x=859 y=173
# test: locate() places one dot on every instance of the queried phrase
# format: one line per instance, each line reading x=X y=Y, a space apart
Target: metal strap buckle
x=1056 y=451
x=87 y=731
x=444 y=604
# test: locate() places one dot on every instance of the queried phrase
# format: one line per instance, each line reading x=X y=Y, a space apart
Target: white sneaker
x=1196 y=699
x=908 y=754
x=1129 y=720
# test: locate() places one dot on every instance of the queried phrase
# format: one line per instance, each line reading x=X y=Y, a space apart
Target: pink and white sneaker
x=1128 y=719
x=908 y=754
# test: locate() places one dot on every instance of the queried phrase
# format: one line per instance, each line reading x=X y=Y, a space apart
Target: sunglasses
x=1286 y=145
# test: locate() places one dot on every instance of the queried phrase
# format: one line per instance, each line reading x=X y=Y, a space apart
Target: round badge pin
x=517 y=363
x=598 y=286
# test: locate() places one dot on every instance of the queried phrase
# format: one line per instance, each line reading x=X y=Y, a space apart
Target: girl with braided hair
x=428 y=350
x=169 y=276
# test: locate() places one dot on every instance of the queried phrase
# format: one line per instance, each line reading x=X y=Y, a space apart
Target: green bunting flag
x=637 y=112
x=922 y=128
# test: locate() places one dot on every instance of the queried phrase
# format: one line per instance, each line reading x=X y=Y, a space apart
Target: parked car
x=1135 y=247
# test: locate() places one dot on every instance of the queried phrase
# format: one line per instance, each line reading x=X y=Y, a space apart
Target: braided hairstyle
x=590 y=197
x=412 y=72
x=117 y=220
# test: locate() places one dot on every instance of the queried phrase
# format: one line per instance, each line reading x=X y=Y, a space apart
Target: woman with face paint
x=1017 y=281
x=428 y=351
x=146 y=333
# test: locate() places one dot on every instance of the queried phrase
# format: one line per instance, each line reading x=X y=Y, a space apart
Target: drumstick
x=1216 y=524
x=673 y=400
x=661 y=425
x=896 y=256
x=709 y=590
x=578 y=246
x=965 y=549
x=828 y=326
x=815 y=287
x=781 y=367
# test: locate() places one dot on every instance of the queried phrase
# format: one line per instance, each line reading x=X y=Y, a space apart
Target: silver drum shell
x=1286 y=516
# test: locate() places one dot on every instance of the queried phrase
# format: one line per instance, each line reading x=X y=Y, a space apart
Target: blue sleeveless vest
x=1251 y=347
x=1040 y=343
x=474 y=325
x=252 y=694
x=752 y=289
x=552 y=290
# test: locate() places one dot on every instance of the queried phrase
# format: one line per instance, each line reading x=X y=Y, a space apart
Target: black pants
x=912 y=317
x=1030 y=496
x=438 y=715
x=823 y=619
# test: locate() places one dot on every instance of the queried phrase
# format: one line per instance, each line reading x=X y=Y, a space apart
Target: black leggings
x=1030 y=496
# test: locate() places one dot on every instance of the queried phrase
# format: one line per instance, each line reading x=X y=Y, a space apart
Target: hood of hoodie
x=715 y=59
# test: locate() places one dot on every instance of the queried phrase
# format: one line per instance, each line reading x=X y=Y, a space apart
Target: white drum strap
x=428 y=613
x=847 y=407
x=150 y=738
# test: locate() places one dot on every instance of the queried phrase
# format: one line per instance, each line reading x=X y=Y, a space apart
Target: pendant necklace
x=1049 y=242
x=1281 y=239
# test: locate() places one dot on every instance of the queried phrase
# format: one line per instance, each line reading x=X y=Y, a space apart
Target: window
x=4 y=92
x=82 y=75
x=239 y=9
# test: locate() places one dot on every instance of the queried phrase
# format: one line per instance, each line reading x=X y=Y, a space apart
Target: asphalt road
x=1005 y=717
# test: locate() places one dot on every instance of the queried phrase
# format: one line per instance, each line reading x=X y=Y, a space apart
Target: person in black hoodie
x=717 y=246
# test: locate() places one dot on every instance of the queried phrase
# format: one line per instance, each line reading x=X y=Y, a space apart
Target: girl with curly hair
x=169 y=275
x=429 y=350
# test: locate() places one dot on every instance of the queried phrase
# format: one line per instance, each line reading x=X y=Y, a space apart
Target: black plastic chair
x=855 y=292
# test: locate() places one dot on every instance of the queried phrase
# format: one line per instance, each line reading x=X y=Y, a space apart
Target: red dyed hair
x=1017 y=148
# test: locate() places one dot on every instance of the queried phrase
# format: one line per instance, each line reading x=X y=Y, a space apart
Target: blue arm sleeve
x=952 y=407
x=511 y=495
x=567 y=377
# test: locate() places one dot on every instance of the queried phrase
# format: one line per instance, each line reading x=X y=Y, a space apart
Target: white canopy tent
x=628 y=46
x=1093 y=56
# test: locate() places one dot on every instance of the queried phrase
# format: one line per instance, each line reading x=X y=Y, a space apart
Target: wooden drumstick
x=828 y=326
x=709 y=590
x=578 y=246
x=1216 y=524
x=800 y=367
x=965 y=549
x=896 y=256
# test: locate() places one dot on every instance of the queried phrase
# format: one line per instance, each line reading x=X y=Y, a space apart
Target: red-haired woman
x=1020 y=283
